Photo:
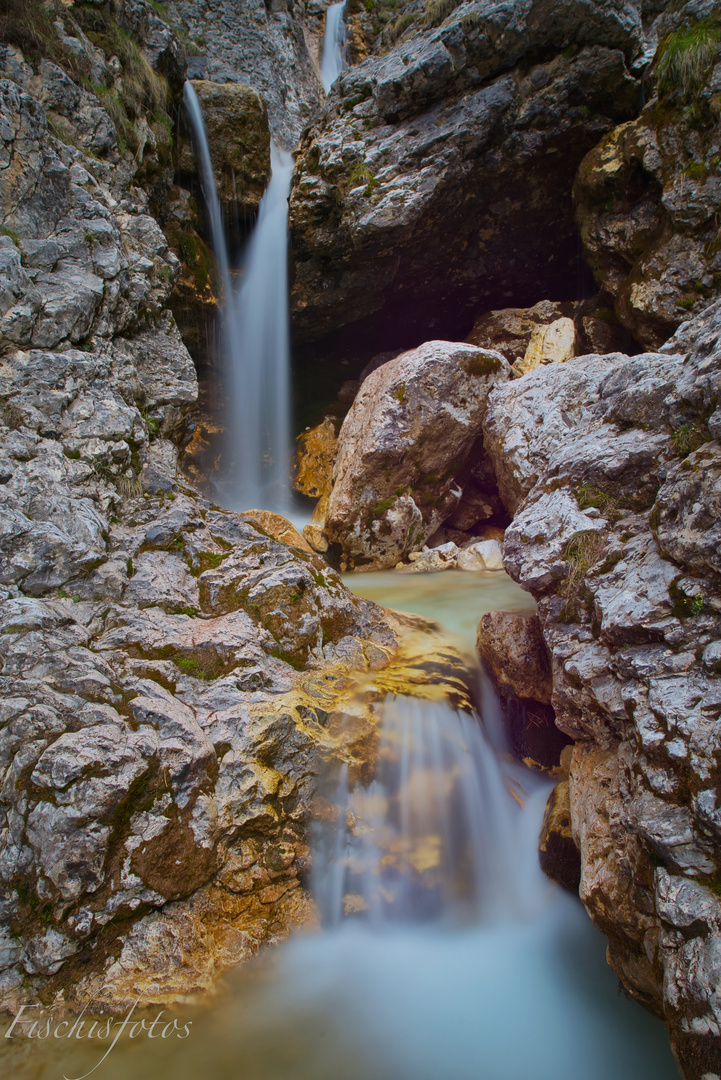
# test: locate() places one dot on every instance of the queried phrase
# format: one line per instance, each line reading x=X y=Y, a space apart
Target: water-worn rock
x=610 y=465
x=236 y=123
x=171 y=675
x=511 y=645
x=483 y=555
x=407 y=436
x=436 y=182
x=557 y=851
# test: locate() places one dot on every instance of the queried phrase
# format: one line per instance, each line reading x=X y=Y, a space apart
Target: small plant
x=13 y=416
x=686 y=56
x=437 y=11
x=688 y=438
x=129 y=488
x=362 y=175
x=400 y=394
x=581 y=553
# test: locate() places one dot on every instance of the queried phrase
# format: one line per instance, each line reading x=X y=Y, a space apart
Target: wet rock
x=429 y=561
x=236 y=123
x=613 y=484
x=511 y=646
x=407 y=436
x=557 y=852
x=259 y=47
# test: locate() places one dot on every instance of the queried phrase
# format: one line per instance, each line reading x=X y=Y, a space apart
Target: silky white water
x=255 y=338
x=333 y=53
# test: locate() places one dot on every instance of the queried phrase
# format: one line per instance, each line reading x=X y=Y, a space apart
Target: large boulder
x=647 y=196
x=610 y=465
x=406 y=439
x=436 y=183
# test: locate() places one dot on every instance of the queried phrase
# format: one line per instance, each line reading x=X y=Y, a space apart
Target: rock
x=407 y=436
x=511 y=646
x=276 y=527
x=401 y=215
x=645 y=199
x=552 y=344
x=424 y=562
x=610 y=467
x=510 y=330
x=261 y=48
x=483 y=555
x=558 y=854
x=236 y=124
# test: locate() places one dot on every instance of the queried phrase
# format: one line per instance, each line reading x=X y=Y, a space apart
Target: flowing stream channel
x=443 y=953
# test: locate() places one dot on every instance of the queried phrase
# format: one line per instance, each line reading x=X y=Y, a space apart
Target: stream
x=458 y=959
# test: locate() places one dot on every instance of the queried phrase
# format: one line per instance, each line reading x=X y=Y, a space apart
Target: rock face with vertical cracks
x=436 y=181
x=647 y=200
x=612 y=468
x=408 y=435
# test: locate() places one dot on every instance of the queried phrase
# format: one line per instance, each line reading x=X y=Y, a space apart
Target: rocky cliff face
x=171 y=677
x=436 y=182
x=647 y=196
x=611 y=468
x=273 y=48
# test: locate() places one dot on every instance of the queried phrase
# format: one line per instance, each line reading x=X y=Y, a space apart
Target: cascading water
x=255 y=338
x=333 y=55
x=428 y=839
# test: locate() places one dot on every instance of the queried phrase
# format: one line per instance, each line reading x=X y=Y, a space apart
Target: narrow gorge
x=360 y=538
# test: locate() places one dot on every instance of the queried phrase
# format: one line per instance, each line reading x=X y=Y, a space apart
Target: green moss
x=400 y=394
x=686 y=56
x=381 y=507
x=4 y=231
x=689 y=437
x=480 y=364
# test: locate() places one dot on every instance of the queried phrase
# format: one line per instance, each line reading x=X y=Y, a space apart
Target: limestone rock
x=406 y=437
x=610 y=465
x=436 y=182
x=646 y=199
x=259 y=46
x=429 y=561
x=276 y=527
x=236 y=123
x=483 y=555
x=511 y=646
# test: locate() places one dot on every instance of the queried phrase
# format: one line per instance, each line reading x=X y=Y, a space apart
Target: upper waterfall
x=255 y=337
x=333 y=55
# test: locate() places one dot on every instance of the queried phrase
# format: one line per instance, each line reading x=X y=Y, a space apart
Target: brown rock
x=510 y=330
x=511 y=645
x=316 y=455
x=557 y=852
x=236 y=123
x=276 y=527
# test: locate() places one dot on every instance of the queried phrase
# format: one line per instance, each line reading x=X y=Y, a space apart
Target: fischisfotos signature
x=34 y=1021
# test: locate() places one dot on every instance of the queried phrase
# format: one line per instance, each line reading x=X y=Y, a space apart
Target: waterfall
x=333 y=58
x=434 y=836
x=255 y=338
